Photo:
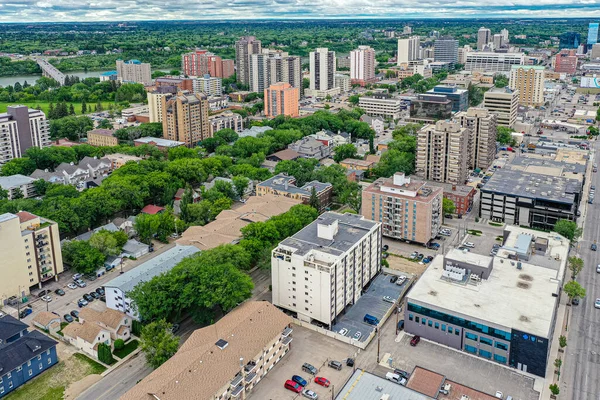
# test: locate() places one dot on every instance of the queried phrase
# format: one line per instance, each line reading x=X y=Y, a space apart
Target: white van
x=390 y=376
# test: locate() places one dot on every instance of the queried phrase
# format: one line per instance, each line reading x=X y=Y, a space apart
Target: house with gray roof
x=88 y=169
x=309 y=147
x=13 y=183
x=284 y=185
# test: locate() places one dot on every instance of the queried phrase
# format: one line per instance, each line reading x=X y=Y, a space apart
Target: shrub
x=554 y=389
x=119 y=344
x=562 y=341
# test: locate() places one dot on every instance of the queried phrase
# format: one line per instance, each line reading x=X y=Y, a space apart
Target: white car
x=309 y=394
x=597 y=303
x=598 y=268
x=47 y=299
x=469 y=244
x=388 y=299
x=401 y=280
x=357 y=335
x=72 y=286
x=499 y=395
x=343 y=331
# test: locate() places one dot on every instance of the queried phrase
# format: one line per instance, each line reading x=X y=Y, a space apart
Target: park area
x=44 y=106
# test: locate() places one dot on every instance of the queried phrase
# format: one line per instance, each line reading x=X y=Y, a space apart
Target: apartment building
x=407 y=209
x=185 y=118
x=208 y=85
x=484 y=36
x=529 y=81
x=18 y=186
x=203 y=62
x=176 y=82
x=226 y=120
x=362 y=65
x=21 y=128
x=504 y=102
x=343 y=83
x=381 y=105
x=309 y=147
x=408 y=49
x=102 y=137
x=155 y=102
x=89 y=169
x=224 y=360
x=284 y=185
x=134 y=71
x=274 y=66
x=31 y=254
x=322 y=73
x=492 y=62
x=244 y=48
x=481 y=124
x=281 y=99
x=441 y=154
x=565 y=61
x=445 y=49
x=462 y=196
x=325 y=267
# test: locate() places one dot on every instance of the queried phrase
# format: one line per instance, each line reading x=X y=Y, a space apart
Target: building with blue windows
x=592 y=33
x=458 y=97
x=569 y=40
x=23 y=354
x=499 y=308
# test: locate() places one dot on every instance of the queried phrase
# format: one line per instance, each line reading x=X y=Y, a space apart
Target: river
x=11 y=80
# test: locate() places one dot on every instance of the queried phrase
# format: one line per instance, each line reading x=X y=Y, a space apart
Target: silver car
x=309 y=394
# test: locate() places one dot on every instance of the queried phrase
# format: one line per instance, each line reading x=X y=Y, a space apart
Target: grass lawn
x=44 y=106
x=51 y=384
x=127 y=349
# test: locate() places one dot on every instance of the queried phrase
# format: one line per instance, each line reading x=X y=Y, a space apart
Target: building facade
x=407 y=209
x=441 y=155
x=492 y=62
x=362 y=65
x=445 y=49
x=185 y=118
x=102 y=137
x=481 y=124
x=565 y=61
x=18 y=186
x=203 y=62
x=31 y=253
x=484 y=36
x=322 y=69
x=226 y=120
x=134 y=71
x=529 y=81
x=325 y=267
x=244 y=48
x=381 y=105
x=458 y=97
x=274 y=66
x=281 y=99
x=504 y=102
x=208 y=85
x=569 y=40
x=408 y=49
x=592 y=37
x=430 y=107
x=21 y=128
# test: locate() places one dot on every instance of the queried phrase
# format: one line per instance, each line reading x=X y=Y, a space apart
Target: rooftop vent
x=433 y=293
x=526 y=277
x=222 y=344
x=524 y=319
x=523 y=285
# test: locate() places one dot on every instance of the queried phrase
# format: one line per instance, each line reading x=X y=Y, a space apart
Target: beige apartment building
x=504 y=102
x=481 y=124
x=407 y=209
x=442 y=152
x=224 y=360
x=31 y=254
x=155 y=110
x=185 y=118
x=102 y=137
x=244 y=48
x=133 y=71
x=529 y=81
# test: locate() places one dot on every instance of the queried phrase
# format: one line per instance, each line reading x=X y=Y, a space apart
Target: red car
x=322 y=381
x=293 y=386
x=415 y=340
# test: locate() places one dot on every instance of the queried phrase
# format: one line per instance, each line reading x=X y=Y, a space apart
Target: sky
x=131 y=10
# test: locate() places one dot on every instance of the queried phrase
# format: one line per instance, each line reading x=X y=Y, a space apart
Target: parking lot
x=483 y=243
x=307 y=347
x=371 y=303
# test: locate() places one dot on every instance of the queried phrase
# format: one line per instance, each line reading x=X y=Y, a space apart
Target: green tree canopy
x=158 y=343
x=82 y=256
x=568 y=229
x=344 y=151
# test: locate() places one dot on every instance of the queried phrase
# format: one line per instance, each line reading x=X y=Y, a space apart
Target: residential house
x=47 y=321
x=111 y=227
x=376 y=123
x=211 y=184
x=88 y=169
x=135 y=249
x=151 y=209
x=382 y=145
x=284 y=185
x=309 y=147
x=179 y=195
x=118 y=159
x=361 y=165
x=284 y=155
x=254 y=131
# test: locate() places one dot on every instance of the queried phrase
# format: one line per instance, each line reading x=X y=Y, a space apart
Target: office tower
x=408 y=49
x=592 y=33
x=529 y=81
x=407 y=209
x=565 y=61
x=31 y=253
x=362 y=65
x=281 y=99
x=504 y=102
x=134 y=71
x=483 y=37
x=322 y=69
x=185 y=118
x=21 y=128
x=492 y=62
x=481 y=124
x=445 y=49
x=505 y=37
x=497 y=40
x=569 y=40
x=208 y=85
x=441 y=154
x=244 y=48
x=202 y=62
x=306 y=267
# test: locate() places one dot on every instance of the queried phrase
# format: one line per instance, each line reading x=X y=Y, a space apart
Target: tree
x=17 y=194
x=314 y=199
x=554 y=389
x=504 y=135
x=500 y=81
x=104 y=353
x=448 y=206
x=105 y=124
x=119 y=344
x=186 y=200
x=575 y=265
x=574 y=290
x=158 y=343
x=354 y=99
x=4 y=194
x=22 y=166
x=83 y=107
x=105 y=242
x=80 y=255
x=344 y=151
x=240 y=184
x=568 y=229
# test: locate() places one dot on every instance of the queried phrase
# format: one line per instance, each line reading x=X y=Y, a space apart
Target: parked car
x=393 y=279
x=100 y=291
x=357 y=335
x=434 y=246
x=88 y=298
x=47 y=299
x=598 y=268
x=390 y=376
x=80 y=283
x=319 y=380
x=77 y=277
x=499 y=395
x=68 y=318
x=25 y=312
x=371 y=320
x=43 y=293
x=72 y=286
x=575 y=301
x=401 y=280
x=293 y=386
x=594 y=247
x=350 y=362
x=343 y=331
x=414 y=255
x=335 y=365
x=175 y=328
x=95 y=295
x=427 y=260
x=309 y=394
x=385 y=247
x=449 y=216
x=388 y=299
x=415 y=340
x=400 y=324
x=103 y=298
x=75 y=314
x=59 y=292
x=402 y=373
x=597 y=303
x=309 y=368
x=463 y=248
x=420 y=257
x=299 y=380
x=469 y=244
x=82 y=303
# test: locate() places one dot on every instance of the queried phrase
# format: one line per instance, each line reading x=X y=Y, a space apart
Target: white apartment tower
x=484 y=36
x=133 y=71
x=322 y=69
x=324 y=267
x=21 y=128
x=362 y=65
x=274 y=66
x=208 y=85
x=408 y=49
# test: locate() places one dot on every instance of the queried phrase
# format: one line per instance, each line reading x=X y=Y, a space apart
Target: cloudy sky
x=119 y=10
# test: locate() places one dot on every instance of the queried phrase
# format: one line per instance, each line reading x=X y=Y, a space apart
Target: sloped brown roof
x=45 y=317
x=425 y=381
x=286 y=154
x=200 y=368
x=109 y=317
x=86 y=330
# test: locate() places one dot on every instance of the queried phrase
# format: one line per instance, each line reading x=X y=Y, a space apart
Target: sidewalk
x=111 y=368
x=559 y=329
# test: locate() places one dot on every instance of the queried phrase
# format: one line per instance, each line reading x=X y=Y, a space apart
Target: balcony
x=250 y=377
x=236 y=381
x=287 y=332
x=287 y=340
x=237 y=391
x=250 y=367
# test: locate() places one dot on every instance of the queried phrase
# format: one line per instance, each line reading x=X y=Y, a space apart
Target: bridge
x=50 y=71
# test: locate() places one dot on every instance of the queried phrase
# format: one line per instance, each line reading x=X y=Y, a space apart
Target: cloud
x=130 y=10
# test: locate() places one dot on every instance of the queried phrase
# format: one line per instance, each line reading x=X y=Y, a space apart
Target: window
x=40 y=366
x=410 y=317
x=485 y=354
x=437 y=325
x=8 y=375
x=443 y=328
x=430 y=323
x=470 y=349
x=469 y=335
x=423 y=321
x=485 y=340
x=456 y=332
x=48 y=352
x=417 y=320
x=50 y=360
x=30 y=372
x=19 y=369
x=500 y=358
x=449 y=329
x=501 y=346
x=29 y=363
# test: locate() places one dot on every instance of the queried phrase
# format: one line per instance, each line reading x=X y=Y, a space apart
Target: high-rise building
x=592 y=33
x=462 y=53
x=134 y=71
x=497 y=40
x=362 y=65
x=244 y=48
x=565 y=61
x=273 y=66
x=208 y=85
x=185 y=118
x=445 y=49
x=322 y=71
x=407 y=209
x=595 y=51
x=21 y=128
x=481 y=124
x=484 y=36
x=569 y=40
x=505 y=36
x=155 y=102
x=504 y=102
x=305 y=268
x=31 y=253
x=407 y=30
x=408 y=49
x=441 y=155
x=529 y=81
x=281 y=99
x=202 y=62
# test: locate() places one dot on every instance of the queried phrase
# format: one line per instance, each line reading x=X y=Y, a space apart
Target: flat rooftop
x=469 y=257
x=363 y=385
x=510 y=298
x=425 y=191
x=159 y=141
x=575 y=165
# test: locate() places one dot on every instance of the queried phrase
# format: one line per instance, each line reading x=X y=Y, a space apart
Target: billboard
x=590 y=82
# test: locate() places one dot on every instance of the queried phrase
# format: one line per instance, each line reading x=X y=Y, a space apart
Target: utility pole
x=396 y=304
x=378 y=344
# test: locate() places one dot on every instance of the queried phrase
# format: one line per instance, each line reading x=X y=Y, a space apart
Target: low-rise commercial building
x=20 y=186
x=430 y=107
x=407 y=209
x=363 y=385
x=284 y=185
x=381 y=105
x=226 y=120
x=325 y=266
x=504 y=102
x=102 y=137
x=496 y=62
x=458 y=97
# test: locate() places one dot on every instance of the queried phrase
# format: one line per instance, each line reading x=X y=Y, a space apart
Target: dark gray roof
x=10 y=326
x=111 y=227
x=20 y=351
x=278 y=183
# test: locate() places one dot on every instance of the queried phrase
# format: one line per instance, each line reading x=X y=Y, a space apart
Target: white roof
x=159 y=141
x=13 y=181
